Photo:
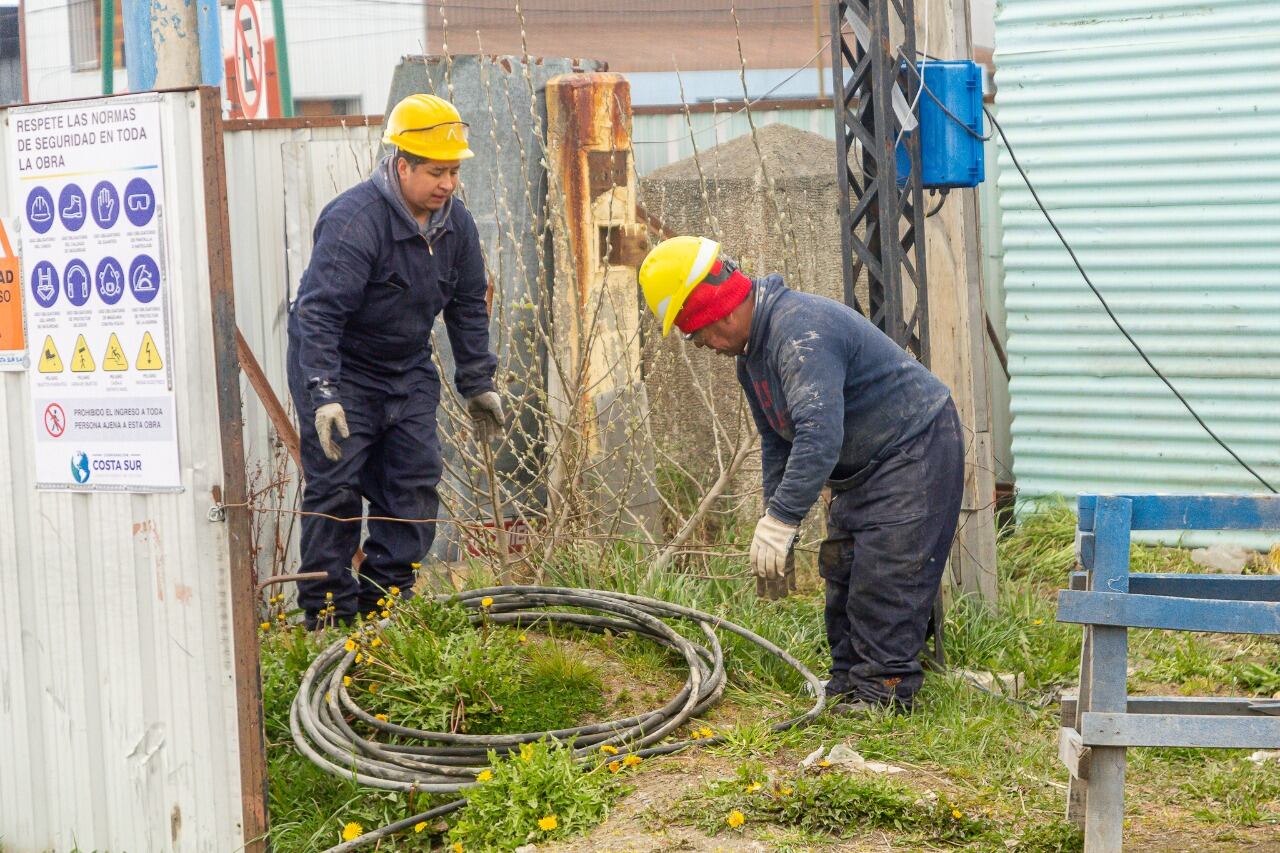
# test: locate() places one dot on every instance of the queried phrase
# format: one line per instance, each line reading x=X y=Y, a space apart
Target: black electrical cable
x=447 y=762
x=1106 y=307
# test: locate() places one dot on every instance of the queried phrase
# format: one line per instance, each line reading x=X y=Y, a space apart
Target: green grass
x=994 y=760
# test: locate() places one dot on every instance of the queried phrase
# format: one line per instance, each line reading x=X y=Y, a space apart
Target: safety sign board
x=13 y=345
x=87 y=182
x=250 y=58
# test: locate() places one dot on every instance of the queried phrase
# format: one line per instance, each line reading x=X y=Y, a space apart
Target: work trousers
x=392 y=460
x=889 y=530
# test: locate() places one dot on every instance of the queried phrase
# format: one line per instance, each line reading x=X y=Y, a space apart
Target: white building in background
x=341 y=54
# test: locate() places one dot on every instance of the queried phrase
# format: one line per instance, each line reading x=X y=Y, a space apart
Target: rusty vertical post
x=244 y=624
x=594 y=386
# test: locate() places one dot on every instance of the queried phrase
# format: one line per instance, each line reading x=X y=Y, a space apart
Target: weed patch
x=537 y=795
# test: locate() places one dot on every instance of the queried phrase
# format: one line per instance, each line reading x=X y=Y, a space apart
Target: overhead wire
x=728 y=115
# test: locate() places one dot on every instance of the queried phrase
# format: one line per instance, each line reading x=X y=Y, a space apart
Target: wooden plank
x=1085 y=543
x=1101 y=729
x=1169 y=613
x=1107 y=686
x=1193 y=512
x=1217 y=587
x=300 y=122
x=262 y=387
x=1073 y=753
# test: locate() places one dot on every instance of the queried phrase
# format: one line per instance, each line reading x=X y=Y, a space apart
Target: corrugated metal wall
x=279 y=178
x=1152 y=132
x=118 y=719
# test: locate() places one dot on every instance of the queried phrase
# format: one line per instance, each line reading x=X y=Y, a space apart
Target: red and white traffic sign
x=55 y=420
x=251 y=60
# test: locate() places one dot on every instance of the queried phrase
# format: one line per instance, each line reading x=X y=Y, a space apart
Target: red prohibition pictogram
x=55 y=420
x=251 y=59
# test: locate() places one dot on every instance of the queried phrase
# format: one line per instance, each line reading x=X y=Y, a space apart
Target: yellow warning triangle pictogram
x=148 y=355
x=81 y=360
x=50 y=361
x=114 y=361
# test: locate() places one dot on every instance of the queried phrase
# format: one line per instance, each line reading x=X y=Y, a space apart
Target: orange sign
x=13 y=345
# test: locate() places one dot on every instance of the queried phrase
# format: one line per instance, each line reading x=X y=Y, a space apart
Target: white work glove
x=487 y=419
x=770 y=546
x=328 y=417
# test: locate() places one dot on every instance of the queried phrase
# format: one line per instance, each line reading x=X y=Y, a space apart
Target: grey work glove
x=486 y=414
x=770 y=546
x=330 y=416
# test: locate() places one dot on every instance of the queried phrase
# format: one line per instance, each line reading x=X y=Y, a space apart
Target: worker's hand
x=330 y=416
x=486 y=415
x=770 y=547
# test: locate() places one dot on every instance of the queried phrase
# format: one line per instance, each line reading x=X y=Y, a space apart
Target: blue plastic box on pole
x=951 y=154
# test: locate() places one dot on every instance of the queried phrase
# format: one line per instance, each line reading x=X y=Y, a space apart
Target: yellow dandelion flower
x=824 y=763
x=382 y=602
x=957 y=814
x=735 y=819
x=415 y=566
x=786 y=792
x=359 y=657
x=548 y=823
x=526 y=751
x=266 y=626
x=1037 y=621
x=382 y=717
x=522 y=639
x=373 y=688
x=328 y=697
x=349 y=645
x=395 y=590
x=753 y=787
x=706 y=732
x=352 y=831
x=419 y=826
x=280 y=617
x=386 y=614
x=615 y=766
x=486 y=602
x=377 y=641
x=346 y=681
x=457 y=847
x=608 y=749
x=484 y=775
x=328 y=596
x=632 y=760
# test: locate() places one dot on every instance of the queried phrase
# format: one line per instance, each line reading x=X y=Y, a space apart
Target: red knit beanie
x=724 y=289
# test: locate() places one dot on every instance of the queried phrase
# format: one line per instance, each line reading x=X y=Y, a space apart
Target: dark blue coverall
x=838 y=403
x=360 y=335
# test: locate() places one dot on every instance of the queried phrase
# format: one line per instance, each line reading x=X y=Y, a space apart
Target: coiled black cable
x=447 y=762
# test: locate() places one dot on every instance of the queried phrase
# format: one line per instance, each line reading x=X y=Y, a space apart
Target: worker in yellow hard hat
x=389 y=255
x=837 y=404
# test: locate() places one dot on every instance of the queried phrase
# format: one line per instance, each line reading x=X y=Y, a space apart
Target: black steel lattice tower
x=882 y=222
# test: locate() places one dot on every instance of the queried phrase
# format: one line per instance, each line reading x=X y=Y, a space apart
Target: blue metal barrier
x=1107 y=599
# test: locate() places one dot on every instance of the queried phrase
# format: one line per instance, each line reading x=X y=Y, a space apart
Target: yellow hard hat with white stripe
x=670 y=273
x=428 y=126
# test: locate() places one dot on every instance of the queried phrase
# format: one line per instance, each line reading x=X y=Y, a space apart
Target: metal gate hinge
x=217 y=513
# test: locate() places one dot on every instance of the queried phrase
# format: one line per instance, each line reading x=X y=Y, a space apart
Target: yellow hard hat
x=427 y=126
x=670 y=273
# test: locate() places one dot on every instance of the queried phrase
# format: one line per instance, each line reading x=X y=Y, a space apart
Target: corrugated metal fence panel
x=118 y=720
x=278 y=180
x=659 y=140
x=1151 y=130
